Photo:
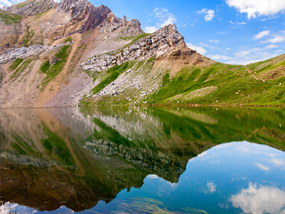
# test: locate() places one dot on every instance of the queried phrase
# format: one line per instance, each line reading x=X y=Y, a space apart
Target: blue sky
x=230 y=31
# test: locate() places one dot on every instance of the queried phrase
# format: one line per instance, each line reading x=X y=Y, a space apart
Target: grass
x=235 y=85
x=52 y=71
x=113 y=74
x=29 y=35
x=10 y=18
x=68 y=39
x=142 y=67
x=23 y=4
x=15 y=64
x=136 y=39
x=45 y=66
x=18 y=149
x=20 y=69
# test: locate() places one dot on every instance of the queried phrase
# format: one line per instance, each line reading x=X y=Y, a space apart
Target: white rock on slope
x=25 y=52
x=159 y=43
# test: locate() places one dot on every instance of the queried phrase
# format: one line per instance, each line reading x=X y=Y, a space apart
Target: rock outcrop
x=158 y=43
x=132 y=28
x=84 y=10
x=31 y=7
x=128 y=28
x=25 y=52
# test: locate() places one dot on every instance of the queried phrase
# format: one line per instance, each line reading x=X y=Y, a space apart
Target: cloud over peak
x=164 y=18
x=200 y=50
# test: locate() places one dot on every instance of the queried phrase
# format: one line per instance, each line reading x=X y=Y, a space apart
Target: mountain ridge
x=73 y=53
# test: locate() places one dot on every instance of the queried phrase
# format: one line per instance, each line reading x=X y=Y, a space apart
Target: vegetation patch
x=135 y=39
x=23 y=4
x=56 y=68
x=10 y=18
x=68 y=39
x=29 y=35
x=45 y=66
x=18 y=149
x=20 y=69
x=15 y=64
x=113 y=72
x=224 y=84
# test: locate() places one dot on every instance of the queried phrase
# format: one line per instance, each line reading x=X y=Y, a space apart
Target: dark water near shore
x=142 y=160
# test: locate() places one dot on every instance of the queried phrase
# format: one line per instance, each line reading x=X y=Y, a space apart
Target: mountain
x=73 y=53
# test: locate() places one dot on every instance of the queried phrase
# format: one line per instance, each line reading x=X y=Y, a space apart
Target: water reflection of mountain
x=52 y=157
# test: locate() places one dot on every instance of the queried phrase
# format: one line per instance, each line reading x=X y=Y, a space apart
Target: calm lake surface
x=142 y=160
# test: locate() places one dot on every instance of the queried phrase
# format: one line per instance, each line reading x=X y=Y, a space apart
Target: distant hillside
x=72 y=53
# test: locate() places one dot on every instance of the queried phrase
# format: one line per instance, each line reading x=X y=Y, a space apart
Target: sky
x=228 y=31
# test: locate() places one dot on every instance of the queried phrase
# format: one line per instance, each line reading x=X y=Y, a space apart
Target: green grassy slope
x=10 y=18
x=261 y=83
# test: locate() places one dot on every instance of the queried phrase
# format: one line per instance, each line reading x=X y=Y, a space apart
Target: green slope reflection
x=98 y=158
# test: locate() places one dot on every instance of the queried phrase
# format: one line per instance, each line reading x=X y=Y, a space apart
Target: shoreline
x=161 y=105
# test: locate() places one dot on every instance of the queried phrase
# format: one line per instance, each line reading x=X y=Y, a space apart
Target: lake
x=142 y=160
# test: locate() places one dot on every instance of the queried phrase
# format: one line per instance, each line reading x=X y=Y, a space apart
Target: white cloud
x=255 y=8
x=271 y=46
x=260 y=200
x=9 y=3
x=150 y=29
x=210 y=14
x=262 y=167
x=152 y=176
x=5 y=3
x=7 y=208
x=276 y=38
x=238 y=23
x=251 y=55
x=245 y=52
x=214 y=41
x=164 y=17
x=278 y=162
x=203 y=154
x=211 y=187
x=200 y=50
x=208 y=46
x=261 y=34
x=219 y=57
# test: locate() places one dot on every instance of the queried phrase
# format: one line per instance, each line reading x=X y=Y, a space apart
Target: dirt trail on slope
x=90 y=42
x=55 y=84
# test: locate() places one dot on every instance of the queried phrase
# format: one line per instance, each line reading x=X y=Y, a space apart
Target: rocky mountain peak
x=132 y=28
x=83 y=10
